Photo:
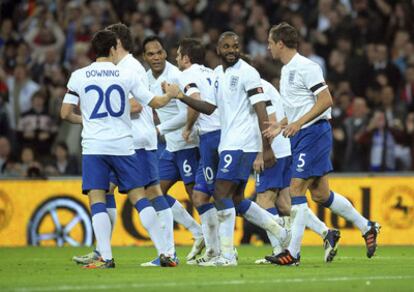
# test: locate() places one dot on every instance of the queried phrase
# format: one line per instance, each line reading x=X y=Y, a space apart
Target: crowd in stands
x=365 y=48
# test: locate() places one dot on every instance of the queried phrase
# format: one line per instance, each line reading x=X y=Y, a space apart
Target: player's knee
x=265 y=200
x=319 y=197
x=199 y=198
x=284 y=209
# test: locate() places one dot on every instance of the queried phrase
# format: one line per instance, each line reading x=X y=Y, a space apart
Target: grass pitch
x=50 y=269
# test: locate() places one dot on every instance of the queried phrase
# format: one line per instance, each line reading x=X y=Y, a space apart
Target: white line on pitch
x=217 y=283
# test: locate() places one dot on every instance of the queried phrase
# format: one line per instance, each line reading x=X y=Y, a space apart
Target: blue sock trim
x=110 y=201
x=204 y=208
x=224 y=204
x=272 y=211
x=170 y=200
x=160 y=203
x=142 y=204
x=243 y=206
x=98 y=208
x=299 y=200
x=328 y=203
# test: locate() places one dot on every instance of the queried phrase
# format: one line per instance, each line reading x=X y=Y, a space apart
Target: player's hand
x=274 y=129
x=291 y=129
x=258 y=164
x=172 y=90
x=269 y=158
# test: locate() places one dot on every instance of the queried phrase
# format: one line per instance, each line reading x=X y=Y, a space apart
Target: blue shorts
x=179 y=165
x=235 y=165
x=209 y=160
x=201 y=183
x=160 y=149
x=311 y=149
x=147 y=160
x=276 y=177
x=96 y=170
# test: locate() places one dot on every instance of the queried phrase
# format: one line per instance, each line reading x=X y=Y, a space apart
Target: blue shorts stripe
x=204 y=208
x=142 y=204
x=160 y=203
x=243 y=206
x=272 y=211
x=98 y=208
x=299 y=200
x=170 y=200
x=224 y=204
x=110 y=201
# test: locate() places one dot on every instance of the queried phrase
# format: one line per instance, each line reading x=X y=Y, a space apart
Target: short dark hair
x=227 y=34
x=102 y=42
x=123 y=34
x=286 y=33
x=194 y=49
x=152 y=38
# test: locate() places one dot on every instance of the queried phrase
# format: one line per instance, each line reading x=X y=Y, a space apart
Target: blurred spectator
x=354 y=158
x=407 y=91
x=5 y=155
x=63 y=163
x=363 y=47
x=21 y=88
x=381 y=141
x=409 y=136
x=29 y=166
x=381 y=64
x=306 y=49
x=36 y=127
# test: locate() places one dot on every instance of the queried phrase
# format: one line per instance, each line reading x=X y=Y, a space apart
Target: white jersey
x=173 y=115
x=200 y=79
x=280 y=144
x=238 y=89
x=102 y=90
x=300 y=82
x=143 y=128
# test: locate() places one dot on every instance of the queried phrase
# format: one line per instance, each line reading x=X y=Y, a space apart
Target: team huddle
x=218 y=126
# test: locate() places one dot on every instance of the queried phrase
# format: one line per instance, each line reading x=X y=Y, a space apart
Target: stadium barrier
x=54 y=212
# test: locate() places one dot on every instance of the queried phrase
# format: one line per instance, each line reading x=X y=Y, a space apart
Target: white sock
x=210 y=225
x=298 y=215
x=315 y=224
x=165 y=218
x=182 y=217
x=149 y=220
x=262 y=218
x=227 y=220
x=102 y=228
x=343 y=207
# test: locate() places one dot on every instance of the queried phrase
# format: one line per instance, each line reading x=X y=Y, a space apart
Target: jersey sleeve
x=253 y=86
x=140 y=91
x=175 y=123
x=188 y=83
x=313 y=78
x=72 y=92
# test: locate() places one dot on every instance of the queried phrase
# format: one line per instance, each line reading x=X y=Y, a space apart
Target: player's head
x=190 y=51
x=281 y=37
x=228 y=48
x=104 y=44
x=154 y=53
x=123 y=34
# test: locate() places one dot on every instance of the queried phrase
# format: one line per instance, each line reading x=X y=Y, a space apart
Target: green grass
x=50 y=269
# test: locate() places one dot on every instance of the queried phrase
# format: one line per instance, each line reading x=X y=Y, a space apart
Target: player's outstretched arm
x=199 y=105
x=274 y=127
x=67 y=113
x=323 y=102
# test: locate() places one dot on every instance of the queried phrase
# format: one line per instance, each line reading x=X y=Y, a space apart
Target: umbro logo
x=225 y=170
x=299 y=169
